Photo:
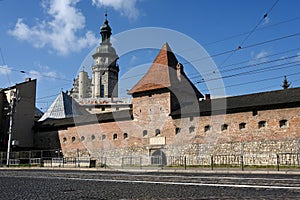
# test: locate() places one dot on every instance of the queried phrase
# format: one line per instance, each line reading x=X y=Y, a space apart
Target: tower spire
x=105 y=30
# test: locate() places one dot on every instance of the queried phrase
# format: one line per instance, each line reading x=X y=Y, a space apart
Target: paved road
x=67 y=184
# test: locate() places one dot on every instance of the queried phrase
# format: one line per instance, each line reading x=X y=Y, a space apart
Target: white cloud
x=44 y=72
x=4 y=69
x=126 y=7
x=261 y=54
x=60 y=32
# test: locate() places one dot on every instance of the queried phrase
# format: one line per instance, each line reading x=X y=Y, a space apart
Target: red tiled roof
x=163 y=74
x=158 y=75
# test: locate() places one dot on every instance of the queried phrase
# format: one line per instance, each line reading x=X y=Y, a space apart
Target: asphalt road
x=67 y=184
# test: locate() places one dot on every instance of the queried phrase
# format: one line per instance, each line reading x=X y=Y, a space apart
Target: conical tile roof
x=62 y=107
x=165 y=72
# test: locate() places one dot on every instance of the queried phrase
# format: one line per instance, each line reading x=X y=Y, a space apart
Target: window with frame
x=283 y=123
x=242 y=125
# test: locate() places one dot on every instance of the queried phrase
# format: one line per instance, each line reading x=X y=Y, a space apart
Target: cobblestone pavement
x=68 y=184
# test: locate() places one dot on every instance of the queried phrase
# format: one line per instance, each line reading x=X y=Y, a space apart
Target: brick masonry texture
x=186 y=136
x=271 y=127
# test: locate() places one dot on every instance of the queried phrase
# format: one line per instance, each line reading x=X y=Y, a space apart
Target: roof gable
x=62 y=107
x=163 y=73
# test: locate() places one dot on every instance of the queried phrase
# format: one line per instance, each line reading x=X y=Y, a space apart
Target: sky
x=252 y=44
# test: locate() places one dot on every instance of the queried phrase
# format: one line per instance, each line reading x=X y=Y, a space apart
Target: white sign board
x=157 y=141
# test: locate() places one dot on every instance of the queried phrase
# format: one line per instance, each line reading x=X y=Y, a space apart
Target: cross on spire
x=105 y=14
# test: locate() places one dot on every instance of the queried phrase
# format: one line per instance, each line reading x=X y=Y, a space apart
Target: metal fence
x=54 y=158
x=267 y=160
x=45 y=158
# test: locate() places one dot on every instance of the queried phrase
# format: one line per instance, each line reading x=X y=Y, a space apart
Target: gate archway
x=158 y=157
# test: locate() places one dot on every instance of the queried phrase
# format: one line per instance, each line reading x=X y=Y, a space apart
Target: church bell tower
x=105 y=70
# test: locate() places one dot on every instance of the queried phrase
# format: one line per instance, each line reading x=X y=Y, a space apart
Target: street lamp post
x=11 y=116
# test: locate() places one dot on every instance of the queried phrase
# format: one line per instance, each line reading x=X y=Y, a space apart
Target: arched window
x=82 y=138
x=103 y=137
x=64 y=140
x=145 y=133
x=125 y=135
x=115 y=136
x=73 y=139
x=93 y=137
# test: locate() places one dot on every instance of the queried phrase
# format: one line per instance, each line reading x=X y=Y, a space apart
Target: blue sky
x=49 y=40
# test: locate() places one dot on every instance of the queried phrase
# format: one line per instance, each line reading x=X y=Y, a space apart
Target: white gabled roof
x=62 y=107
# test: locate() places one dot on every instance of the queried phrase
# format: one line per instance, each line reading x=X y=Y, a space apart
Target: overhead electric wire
x=251 y=82
x=5 y=68
x=249 y=66
x=46 y=97
x=254 y=59
x=240 y=46
x=229 y=51
x=262 y=57
x=241 y=34
x=270 y=68
x=245 y=47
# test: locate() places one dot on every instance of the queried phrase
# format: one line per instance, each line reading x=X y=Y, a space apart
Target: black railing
x=54 y=158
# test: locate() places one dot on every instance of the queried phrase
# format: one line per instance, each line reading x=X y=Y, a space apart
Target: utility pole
x=11 y=121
